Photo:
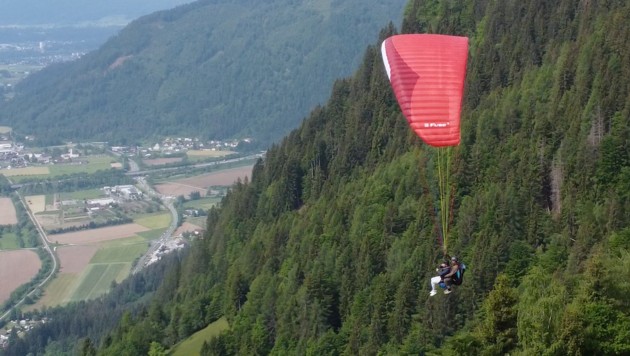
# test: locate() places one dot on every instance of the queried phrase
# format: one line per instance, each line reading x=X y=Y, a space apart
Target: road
x=168 y=202
x=46 y=245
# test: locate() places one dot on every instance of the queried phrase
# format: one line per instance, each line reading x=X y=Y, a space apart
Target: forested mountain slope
x=213 y=69
x=329 y=248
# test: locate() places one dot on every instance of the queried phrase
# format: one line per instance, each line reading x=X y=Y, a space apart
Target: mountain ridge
x=209 y=68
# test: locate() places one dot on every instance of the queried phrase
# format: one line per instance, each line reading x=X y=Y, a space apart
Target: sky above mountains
x=28 y=13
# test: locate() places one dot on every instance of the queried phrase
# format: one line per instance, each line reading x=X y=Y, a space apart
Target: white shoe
x=432 y=293
x=447 y=291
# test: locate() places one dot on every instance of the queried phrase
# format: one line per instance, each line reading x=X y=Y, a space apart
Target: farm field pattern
x=90 y=260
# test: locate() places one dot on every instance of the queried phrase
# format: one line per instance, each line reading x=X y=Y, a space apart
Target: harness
x=458 y=278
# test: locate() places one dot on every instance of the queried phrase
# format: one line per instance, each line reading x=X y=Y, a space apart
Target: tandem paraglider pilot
x=448 y=276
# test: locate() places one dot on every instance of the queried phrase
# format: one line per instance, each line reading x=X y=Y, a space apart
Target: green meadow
x=9 y=241
x=151 y=234
x=193 y=344
x=159 y=220
x=203 y=203
x=98 y=280
x=81 y=194
x=95 y=163
x=119 y=254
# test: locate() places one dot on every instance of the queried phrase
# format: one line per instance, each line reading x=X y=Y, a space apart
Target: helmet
x=454 y=259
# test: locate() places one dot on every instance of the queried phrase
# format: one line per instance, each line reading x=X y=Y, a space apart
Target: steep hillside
x=214 y=69
x=329 y=248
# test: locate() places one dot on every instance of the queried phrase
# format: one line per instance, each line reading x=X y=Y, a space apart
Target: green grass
x=159 y=220
x=97 y=280
x=133 y=240
x=9 y=241
x=119 y=254
x=151 y=234
x=49 y=212
x=206 y=155
x=203 y=203
x=193 y=344
x=82 y=194
x=96 y=163
x=56 y=292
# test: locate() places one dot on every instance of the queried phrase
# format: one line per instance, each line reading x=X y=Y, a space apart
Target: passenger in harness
x=442 y=271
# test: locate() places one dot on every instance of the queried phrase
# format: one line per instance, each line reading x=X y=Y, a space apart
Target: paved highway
x=168 y=202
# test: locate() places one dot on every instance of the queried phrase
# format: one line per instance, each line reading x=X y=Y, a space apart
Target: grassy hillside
x=194 y=344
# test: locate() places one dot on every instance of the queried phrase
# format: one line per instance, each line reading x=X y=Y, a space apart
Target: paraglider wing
x=427 y=74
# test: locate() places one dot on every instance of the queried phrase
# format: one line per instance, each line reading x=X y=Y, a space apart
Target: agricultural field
x=85 y=164
x=9 y=241
x=15 y=173
x=36 y=203
x=91 y=259
x=160 y=161
x=151 y=234
x=8 y=216
x=16 y=268
x=201 y=183
x=97 y=278
x=94 y=163
x=79 y=195
x=64 y=212
x=98 y=235
x=203 y=203
x=200 y=155
x=87 y=271
x=153 y=221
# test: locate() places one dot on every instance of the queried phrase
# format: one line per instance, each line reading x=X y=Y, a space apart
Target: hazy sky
x=72 y=12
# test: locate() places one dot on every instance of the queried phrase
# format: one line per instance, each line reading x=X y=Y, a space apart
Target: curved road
x=46 y=244
x=168 y=202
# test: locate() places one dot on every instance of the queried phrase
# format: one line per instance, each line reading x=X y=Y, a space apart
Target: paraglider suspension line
x=443 y=163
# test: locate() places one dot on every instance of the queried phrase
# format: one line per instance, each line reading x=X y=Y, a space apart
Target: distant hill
x=215 y=69
x=74 y=12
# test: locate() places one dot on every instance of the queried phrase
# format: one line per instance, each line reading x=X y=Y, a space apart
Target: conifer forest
x=329 y=248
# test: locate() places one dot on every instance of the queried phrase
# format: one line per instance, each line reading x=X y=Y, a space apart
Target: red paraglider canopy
x=427 y=74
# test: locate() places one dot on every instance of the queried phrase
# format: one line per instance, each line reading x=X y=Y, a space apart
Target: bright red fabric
x=427 y=74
